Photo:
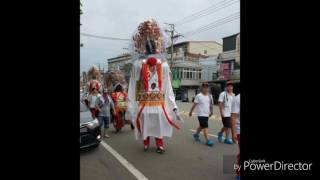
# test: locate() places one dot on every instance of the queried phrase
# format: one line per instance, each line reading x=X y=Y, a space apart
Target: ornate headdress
x=148 y=39
x=93 y=73
x=94 y=78
x=113 y=78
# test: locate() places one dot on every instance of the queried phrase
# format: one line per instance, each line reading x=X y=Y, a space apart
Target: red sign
x=225 y=71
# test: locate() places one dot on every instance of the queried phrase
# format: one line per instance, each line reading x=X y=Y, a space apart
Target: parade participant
x=94 y=81
x=225 y=99
x=204 y=102
x=105 y=105
x=235 y=119
x=112 y=79
x=151 y=102
x=119 y=98
x=92 y=101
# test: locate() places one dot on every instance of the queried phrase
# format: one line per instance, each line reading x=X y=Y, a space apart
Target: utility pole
x=172 y=37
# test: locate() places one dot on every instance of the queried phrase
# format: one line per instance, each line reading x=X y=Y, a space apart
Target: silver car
x=90 y=128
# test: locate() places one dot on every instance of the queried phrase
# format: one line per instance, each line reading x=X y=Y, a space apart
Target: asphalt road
x=184 y=158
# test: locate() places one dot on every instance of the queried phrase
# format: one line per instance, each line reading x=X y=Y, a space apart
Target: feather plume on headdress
x=94 y=78
x=115 y=77
x=93 y=73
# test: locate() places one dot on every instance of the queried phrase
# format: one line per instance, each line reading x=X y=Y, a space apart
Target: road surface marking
x=124 y=162
x=202 y=133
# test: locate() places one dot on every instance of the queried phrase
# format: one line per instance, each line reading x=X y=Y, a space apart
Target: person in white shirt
x=204 y=102
x=235 y=119
x=104 y=105
x=225 y=100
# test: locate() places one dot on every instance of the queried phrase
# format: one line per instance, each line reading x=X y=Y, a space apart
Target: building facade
x=229 y=59
x=206 y=48
x=209 y=68
x=189 y=59
x=228 y=66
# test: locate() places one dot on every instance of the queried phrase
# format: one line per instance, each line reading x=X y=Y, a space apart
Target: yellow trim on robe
x=151 y=103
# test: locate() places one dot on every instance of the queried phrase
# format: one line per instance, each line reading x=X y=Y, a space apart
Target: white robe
x=153 y=121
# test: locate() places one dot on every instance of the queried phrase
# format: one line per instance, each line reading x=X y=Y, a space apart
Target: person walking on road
x=225 y=100
x=235 y=119
x=92 y=101
x=204 y=102
x=119 y=97
x=104 y=105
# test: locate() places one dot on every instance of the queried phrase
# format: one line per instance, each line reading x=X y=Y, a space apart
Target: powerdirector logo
x=230 y=165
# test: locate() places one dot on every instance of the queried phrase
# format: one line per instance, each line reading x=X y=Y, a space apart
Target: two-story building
x=187 y=66
x=228 y=63
x=229 y=59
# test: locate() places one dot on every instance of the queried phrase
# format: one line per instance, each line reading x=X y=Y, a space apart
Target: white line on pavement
x=202 y=133
x=124 y=162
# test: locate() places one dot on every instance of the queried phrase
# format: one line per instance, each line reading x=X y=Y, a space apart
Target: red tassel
x=168 y=118
x=138 y=119
x=97 y=86
x=145 y=76
x=159 y=71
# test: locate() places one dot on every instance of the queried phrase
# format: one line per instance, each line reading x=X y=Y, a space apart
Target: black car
x=90 y=129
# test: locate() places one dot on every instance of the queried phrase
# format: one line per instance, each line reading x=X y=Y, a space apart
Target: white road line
x=124 y=162
x=202 y=133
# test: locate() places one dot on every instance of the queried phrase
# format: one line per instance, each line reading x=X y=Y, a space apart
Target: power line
x=217 y=25
x=213 y=11
x=104 y=37
x=214 y=8
x=234 y=15
x=214 y=24
x=198 y=13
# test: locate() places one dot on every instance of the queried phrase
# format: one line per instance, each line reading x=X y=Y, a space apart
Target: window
x=189 y=73
x=236 y=65
x=174 y=73
x=229 y=43
x=185 y=48
x=205 y=52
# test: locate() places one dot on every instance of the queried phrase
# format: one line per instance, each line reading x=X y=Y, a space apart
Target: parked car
x=90 y=128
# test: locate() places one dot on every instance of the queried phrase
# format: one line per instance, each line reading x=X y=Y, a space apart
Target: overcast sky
x=119 y=18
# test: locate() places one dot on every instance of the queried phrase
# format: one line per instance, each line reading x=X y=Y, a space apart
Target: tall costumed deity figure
x=151 y=102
